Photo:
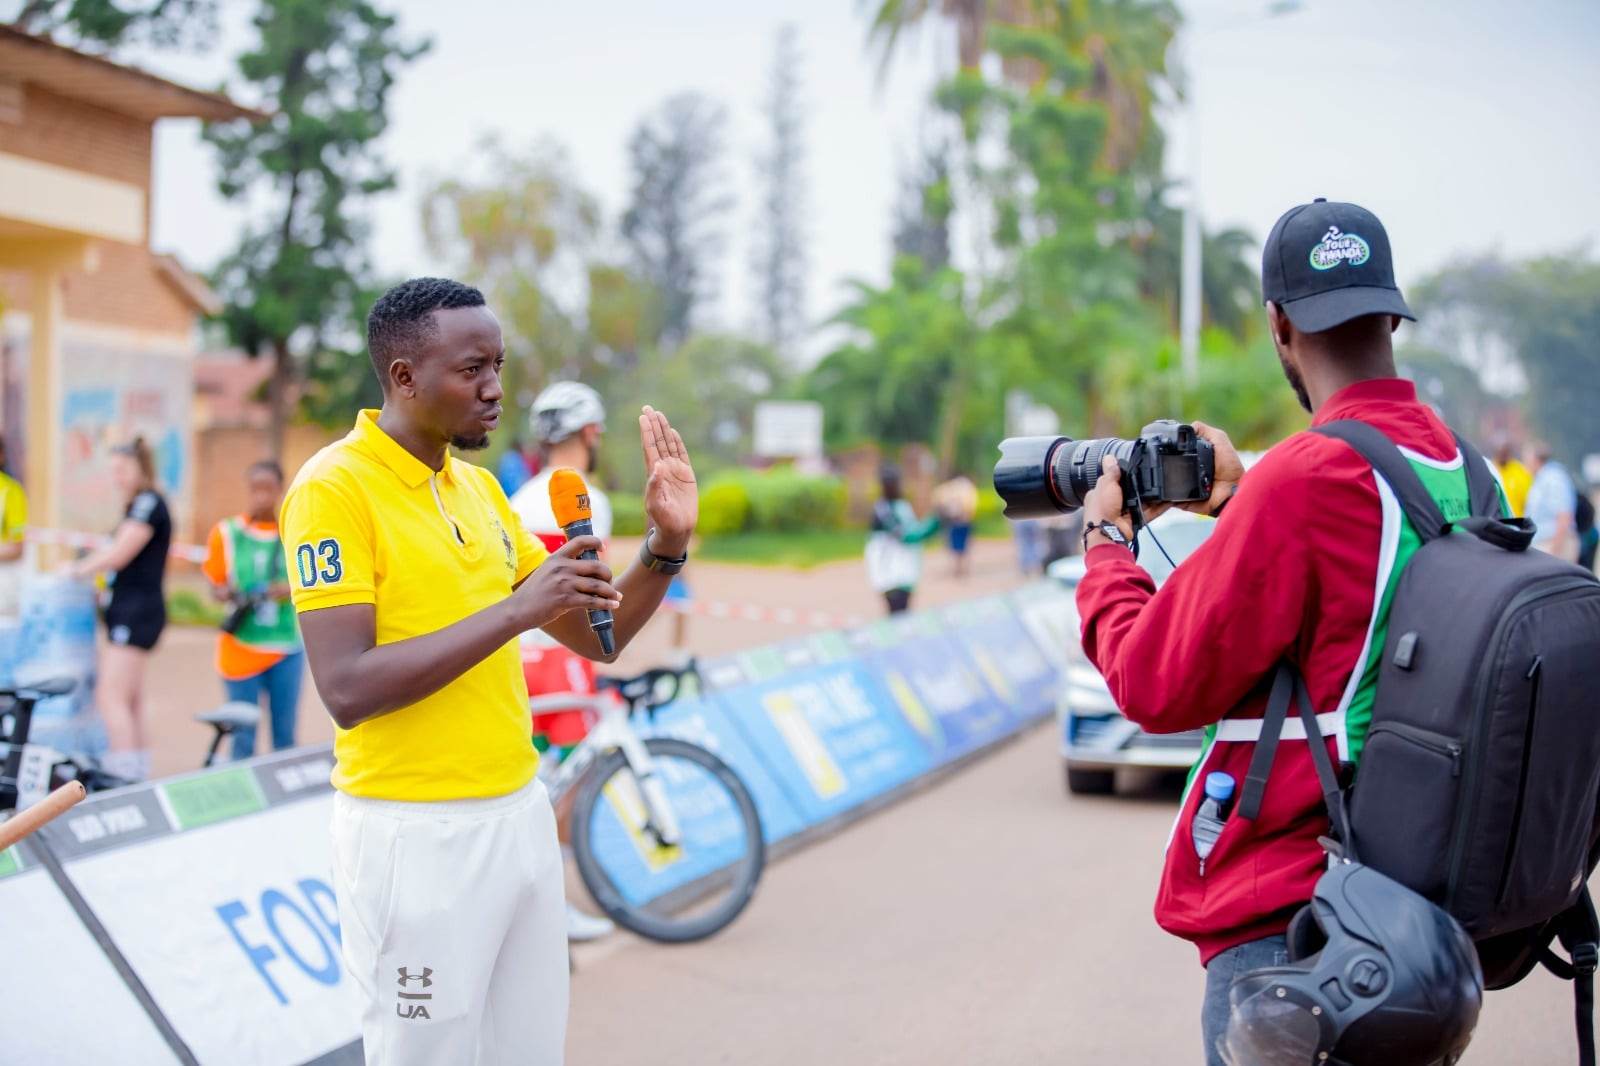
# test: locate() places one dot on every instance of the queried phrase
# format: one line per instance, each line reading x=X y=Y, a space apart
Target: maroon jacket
x=1291 y=572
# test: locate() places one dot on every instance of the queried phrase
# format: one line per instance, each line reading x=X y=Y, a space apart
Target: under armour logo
x=414 y=1010
x=426 y=976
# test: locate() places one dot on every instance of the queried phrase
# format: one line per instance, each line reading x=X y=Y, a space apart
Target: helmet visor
x=1266 y=1029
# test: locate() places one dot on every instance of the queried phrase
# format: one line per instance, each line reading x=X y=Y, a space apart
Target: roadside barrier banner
x=823 y=723
x=212 y=892
x=61 y=999
x=712 y=830
x=1009 y=659
x=217 y=889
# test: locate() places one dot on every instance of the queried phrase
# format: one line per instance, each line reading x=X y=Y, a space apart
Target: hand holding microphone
x=569 y=499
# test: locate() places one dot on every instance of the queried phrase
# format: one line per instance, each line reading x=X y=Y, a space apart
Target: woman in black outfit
x=136 y=555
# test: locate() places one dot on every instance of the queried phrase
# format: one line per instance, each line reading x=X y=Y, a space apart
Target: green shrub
x=627 y=515
x=783 y=501
x=724 y=507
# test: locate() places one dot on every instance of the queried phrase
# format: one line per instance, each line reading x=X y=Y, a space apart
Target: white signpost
x=788 y=430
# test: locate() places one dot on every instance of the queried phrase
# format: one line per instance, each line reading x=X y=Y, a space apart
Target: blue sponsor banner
x=1008 y=658
x=709 y=820
x=825 y=724
x=934 y=684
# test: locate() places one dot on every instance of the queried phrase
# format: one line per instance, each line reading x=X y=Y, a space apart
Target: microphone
x=569 y=499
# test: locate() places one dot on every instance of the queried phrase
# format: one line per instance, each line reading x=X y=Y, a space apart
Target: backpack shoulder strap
x=1288 y=687
x=1481 y=486
x=1389 y=464
x=1579 y=932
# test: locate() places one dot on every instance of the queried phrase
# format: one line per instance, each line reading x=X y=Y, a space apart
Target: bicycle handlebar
x=643 y=691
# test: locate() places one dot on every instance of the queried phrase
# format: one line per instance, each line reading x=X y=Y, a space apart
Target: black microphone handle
x=599 y=621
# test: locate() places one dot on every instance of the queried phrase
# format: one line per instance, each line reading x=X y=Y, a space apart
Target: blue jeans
x=1220 y=972
x=281 y=682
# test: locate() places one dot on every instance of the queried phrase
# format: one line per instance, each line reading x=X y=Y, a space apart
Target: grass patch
x=187 y=607
x=798 y=550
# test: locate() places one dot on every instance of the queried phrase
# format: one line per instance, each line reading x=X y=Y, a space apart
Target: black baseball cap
x=1326 y=263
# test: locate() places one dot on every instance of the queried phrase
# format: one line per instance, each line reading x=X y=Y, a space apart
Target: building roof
x=229 y=390
x=126 y=90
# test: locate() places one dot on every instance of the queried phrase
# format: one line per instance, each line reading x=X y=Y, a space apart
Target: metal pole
x=1189 y=270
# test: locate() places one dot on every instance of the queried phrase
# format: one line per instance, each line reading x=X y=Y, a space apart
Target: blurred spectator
x=1588 y=535
x=259 y=648
x=956 y=503
x=1553 y=504
x=1029 y=534
x=1514 y=477
x=513 y=470
x=13 y=519
x=894 y=550
x=136 y=613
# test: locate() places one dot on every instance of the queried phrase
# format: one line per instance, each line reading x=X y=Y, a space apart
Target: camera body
x=1043 y=476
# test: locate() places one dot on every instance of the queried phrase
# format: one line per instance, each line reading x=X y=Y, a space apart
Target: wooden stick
x=57 y=803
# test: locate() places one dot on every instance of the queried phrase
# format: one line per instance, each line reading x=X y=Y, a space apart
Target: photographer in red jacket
x=1307 y=546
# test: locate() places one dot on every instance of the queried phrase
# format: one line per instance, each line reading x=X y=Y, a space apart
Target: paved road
x=987 y=921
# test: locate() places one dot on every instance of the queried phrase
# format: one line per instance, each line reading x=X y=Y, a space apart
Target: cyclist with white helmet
x=567 y=420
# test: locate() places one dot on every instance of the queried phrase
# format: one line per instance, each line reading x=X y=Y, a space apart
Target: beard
x=1296 y=382
x=470 y=444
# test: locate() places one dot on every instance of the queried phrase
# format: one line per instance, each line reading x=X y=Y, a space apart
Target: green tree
x=1542 y=315
x=924 y=209
x=780 y=254
x=108 y=23
x=1230 y=285
x=325 y=69
x=673 y=223
x=525 y=233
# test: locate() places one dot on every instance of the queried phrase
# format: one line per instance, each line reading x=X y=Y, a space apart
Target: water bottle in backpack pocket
x=1212 y=815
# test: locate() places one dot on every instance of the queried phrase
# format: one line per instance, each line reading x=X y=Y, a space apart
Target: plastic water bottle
x=1213 y=813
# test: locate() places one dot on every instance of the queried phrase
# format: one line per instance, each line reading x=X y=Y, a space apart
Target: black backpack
x=1479 y=786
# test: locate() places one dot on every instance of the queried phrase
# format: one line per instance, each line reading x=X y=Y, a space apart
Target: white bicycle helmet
x=564 y=408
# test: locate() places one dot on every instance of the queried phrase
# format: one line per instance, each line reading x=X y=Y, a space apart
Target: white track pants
x=453 y=918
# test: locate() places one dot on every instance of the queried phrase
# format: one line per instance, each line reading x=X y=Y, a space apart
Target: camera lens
x=1023 y=478
x=1039 y=477
x=1077 y=468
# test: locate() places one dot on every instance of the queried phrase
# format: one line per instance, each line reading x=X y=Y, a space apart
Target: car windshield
x=1179 y=538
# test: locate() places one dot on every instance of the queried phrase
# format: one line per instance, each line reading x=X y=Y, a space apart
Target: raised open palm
x=671 y=495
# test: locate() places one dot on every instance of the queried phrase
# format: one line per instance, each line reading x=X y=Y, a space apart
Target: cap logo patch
x=1337 y=247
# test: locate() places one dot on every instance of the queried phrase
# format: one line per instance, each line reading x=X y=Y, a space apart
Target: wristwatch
x=652 y=561
x=1112 y=533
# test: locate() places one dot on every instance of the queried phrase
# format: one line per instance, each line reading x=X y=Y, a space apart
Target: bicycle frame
x=612 y=731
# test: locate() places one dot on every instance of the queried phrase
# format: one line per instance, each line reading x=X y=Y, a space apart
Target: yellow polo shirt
x=13 y=509
x=365 y=521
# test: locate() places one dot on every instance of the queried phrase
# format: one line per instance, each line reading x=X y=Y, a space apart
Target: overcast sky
x=1467 y=125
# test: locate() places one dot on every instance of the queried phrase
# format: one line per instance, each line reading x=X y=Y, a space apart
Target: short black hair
x=403 y=318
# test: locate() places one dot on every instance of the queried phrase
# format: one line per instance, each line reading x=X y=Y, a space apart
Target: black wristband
x=656 y=563
x=1217 y=511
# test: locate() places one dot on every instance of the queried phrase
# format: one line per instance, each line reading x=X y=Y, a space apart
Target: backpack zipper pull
x=1455 y=758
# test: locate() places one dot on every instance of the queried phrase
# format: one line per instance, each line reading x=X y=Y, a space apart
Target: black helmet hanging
x=1378 y=976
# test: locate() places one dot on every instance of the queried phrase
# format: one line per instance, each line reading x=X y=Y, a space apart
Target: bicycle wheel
x=677 y=894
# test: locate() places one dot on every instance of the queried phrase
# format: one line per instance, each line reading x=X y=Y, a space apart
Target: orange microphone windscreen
x=569 y=497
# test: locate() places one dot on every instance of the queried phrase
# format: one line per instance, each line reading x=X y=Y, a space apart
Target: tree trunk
x=955 y=403
x=278 y=394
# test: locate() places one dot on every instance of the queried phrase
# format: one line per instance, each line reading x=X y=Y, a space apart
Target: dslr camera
x=1038 y=477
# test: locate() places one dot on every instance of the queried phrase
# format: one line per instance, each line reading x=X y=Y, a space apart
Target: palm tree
x=893 y=17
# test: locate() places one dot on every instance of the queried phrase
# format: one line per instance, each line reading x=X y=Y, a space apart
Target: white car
x=1096 y=740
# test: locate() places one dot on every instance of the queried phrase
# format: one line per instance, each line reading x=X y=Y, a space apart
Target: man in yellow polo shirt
x=413 y=578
